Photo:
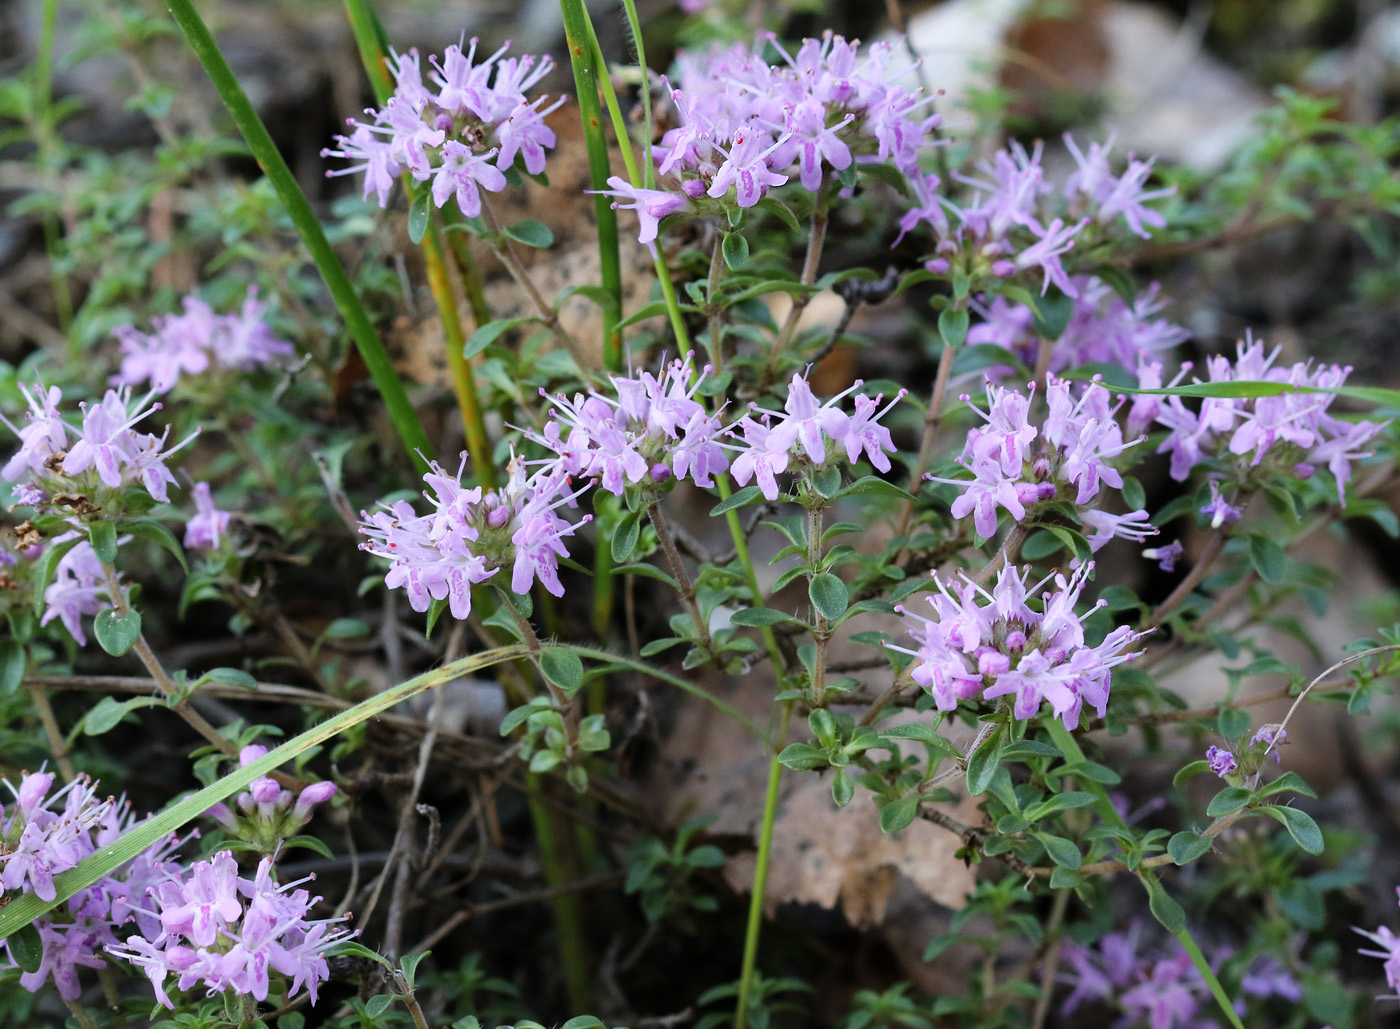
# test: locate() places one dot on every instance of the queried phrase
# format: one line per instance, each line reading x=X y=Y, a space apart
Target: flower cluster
x=1003 y=647
x=1163 y=991
x=46 y=832
x=804 y=429
x=445 y=133
x=471 y=535
x=1103 y=328
x=95 y=462
x=226 y=933
x=655 y=431
x=1292 y=433
x=1236 y=766
x=1018 y=221
x=266 y=814
x=1017 y=465
x=193 y=342
x=745 y=125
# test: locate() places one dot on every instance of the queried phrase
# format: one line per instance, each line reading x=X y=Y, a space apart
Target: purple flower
x=745 y=168
x=78 y=590
x=1269 y=737
x=471 y=535
x=1166 y=557
x=803 y=430
x=652 y=421
x=1219 y=510
x=229 y=933
x=444 y=135
x=45 y=434
x=1006 y=648
x=651 y=206
x=1390 y=951
x=524 y=132
x=1115 y=196
x=1236 y=434
x=1016 y=465
x=205 y=531
x=1222 y=762
x=464 y=174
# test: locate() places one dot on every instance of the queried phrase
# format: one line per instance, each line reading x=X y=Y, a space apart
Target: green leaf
x=655 y=309
x=1300 y=826
x=351 y=949
x=803 y=757
x=897 y=814
x=1062 y=852
x=103 y=535
x=377 y=1005
x=738 y=499
x=582 y=1022
x=757 y=617
x=117 y=633
x=874 y=486
x=1288 y=781
x=408 y=964
x=310 y=843
x=230 y=677
x=1185 y=847
x=1229 y=800
x=624 y=539
x=1093 y=771
x=1163 y=907
x=489 y=333
x=562 y=668
x=1052 y=314
x=952 y=326
x=108 y=712
x=829 y=596
x=1187 y=772
x=418 y=214
x=736 y=250
x=983 y=763
x=27 y=948
x=12 y=664
x=842 y=789
x=152 y=531
x=1268 y=558
x=531 y=233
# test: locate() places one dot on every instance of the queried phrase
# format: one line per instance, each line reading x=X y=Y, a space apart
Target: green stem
x=46 y=138
x=741 y=551
x=467 y=271
x=568 y=925
x=629 y=162
x=454 y=342
x=381 y=369
x=587 y=71
x=1069 y=746
x=754 y=926
x=373 y=44
x=634 y=22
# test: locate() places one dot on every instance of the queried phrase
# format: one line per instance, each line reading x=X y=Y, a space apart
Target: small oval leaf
x=115 y=633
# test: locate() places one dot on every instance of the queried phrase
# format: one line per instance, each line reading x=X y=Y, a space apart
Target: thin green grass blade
x=381 y=369
x=23 y=910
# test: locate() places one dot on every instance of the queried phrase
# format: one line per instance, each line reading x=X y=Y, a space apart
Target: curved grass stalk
x=26 y=908
x=357 y=322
